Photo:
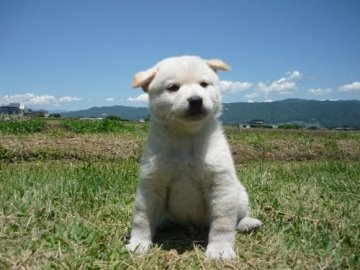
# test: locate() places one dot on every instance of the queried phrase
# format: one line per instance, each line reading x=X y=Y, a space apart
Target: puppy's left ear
x=217 y=64
x=143 y=79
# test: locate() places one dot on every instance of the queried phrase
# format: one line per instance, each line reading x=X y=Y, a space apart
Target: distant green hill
x=327 y=113
x=125 y=112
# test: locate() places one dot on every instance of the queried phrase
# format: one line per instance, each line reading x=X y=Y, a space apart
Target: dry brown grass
x=285 y=145
x=246 y=145
x=71 y=146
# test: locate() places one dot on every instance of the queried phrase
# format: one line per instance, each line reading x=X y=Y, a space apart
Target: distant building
x=40 y=113
x=12 y=109
x=344 y=128
x=257 y=123
x=244 y=126
x=253 y=124
x=91 y=119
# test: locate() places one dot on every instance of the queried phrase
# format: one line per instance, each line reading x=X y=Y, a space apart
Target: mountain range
x=327 y=113
x=125 y=112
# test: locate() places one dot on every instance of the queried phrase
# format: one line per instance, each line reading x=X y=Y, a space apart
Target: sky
x=71 y=55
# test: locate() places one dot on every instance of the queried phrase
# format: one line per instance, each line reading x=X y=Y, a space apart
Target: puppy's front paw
x=220 y=252
x=139 y=247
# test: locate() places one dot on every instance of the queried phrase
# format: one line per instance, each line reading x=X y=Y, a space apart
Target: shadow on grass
x=180 y=237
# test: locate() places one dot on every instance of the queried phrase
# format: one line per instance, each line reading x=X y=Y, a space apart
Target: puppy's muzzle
x=196 y=107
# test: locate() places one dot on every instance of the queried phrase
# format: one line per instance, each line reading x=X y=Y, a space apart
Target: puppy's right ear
x=143 y=79
x=217 y=64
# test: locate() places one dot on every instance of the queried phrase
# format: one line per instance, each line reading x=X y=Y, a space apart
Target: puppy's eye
x=204 y=84
x=173 y=87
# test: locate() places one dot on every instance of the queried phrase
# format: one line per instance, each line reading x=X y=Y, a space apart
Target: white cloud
x=319 y=91
x=30 y=99
x=268 y=100
x=355 y=86
x=142 y=98
x=284 y=85
x=252 y=95
x=68 y=99
x=233 y=87
x=279 y=86
x=250 y=101
x=110 y=99
x=295 y=75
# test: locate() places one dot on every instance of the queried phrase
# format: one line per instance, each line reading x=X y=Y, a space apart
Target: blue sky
x=68 y=55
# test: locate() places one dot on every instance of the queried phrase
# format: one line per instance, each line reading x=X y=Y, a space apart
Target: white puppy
x=187 y=171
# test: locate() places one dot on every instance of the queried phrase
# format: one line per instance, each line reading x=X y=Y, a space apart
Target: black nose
x=195 y=103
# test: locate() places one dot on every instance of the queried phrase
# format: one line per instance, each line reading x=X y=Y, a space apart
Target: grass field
x=66 y=201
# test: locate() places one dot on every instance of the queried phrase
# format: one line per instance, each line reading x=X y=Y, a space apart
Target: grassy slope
x=69 y=213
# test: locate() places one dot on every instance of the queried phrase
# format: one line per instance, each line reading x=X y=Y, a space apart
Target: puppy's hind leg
x=248 y=224
x=245 y=222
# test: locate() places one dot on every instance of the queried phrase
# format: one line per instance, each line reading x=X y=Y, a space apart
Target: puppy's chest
x=187 y=183
x=189 y=163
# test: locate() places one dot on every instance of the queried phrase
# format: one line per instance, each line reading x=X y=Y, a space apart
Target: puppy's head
x=182 y=89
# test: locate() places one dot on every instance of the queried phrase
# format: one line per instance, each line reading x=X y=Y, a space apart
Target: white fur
x=187 y=171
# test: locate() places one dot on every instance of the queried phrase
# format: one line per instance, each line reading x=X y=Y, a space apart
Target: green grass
x=103 y=126
x=65 y=215
x=96 y=126
x=66 y=201
x=78 y=215
x=311 y=213
x=17 y=125
x=24 y=126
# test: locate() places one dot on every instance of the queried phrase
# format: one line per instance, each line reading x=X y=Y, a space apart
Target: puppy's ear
x=217 y=64
x=143 y=79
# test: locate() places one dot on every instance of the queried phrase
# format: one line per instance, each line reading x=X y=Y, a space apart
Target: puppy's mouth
x=195 y=114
